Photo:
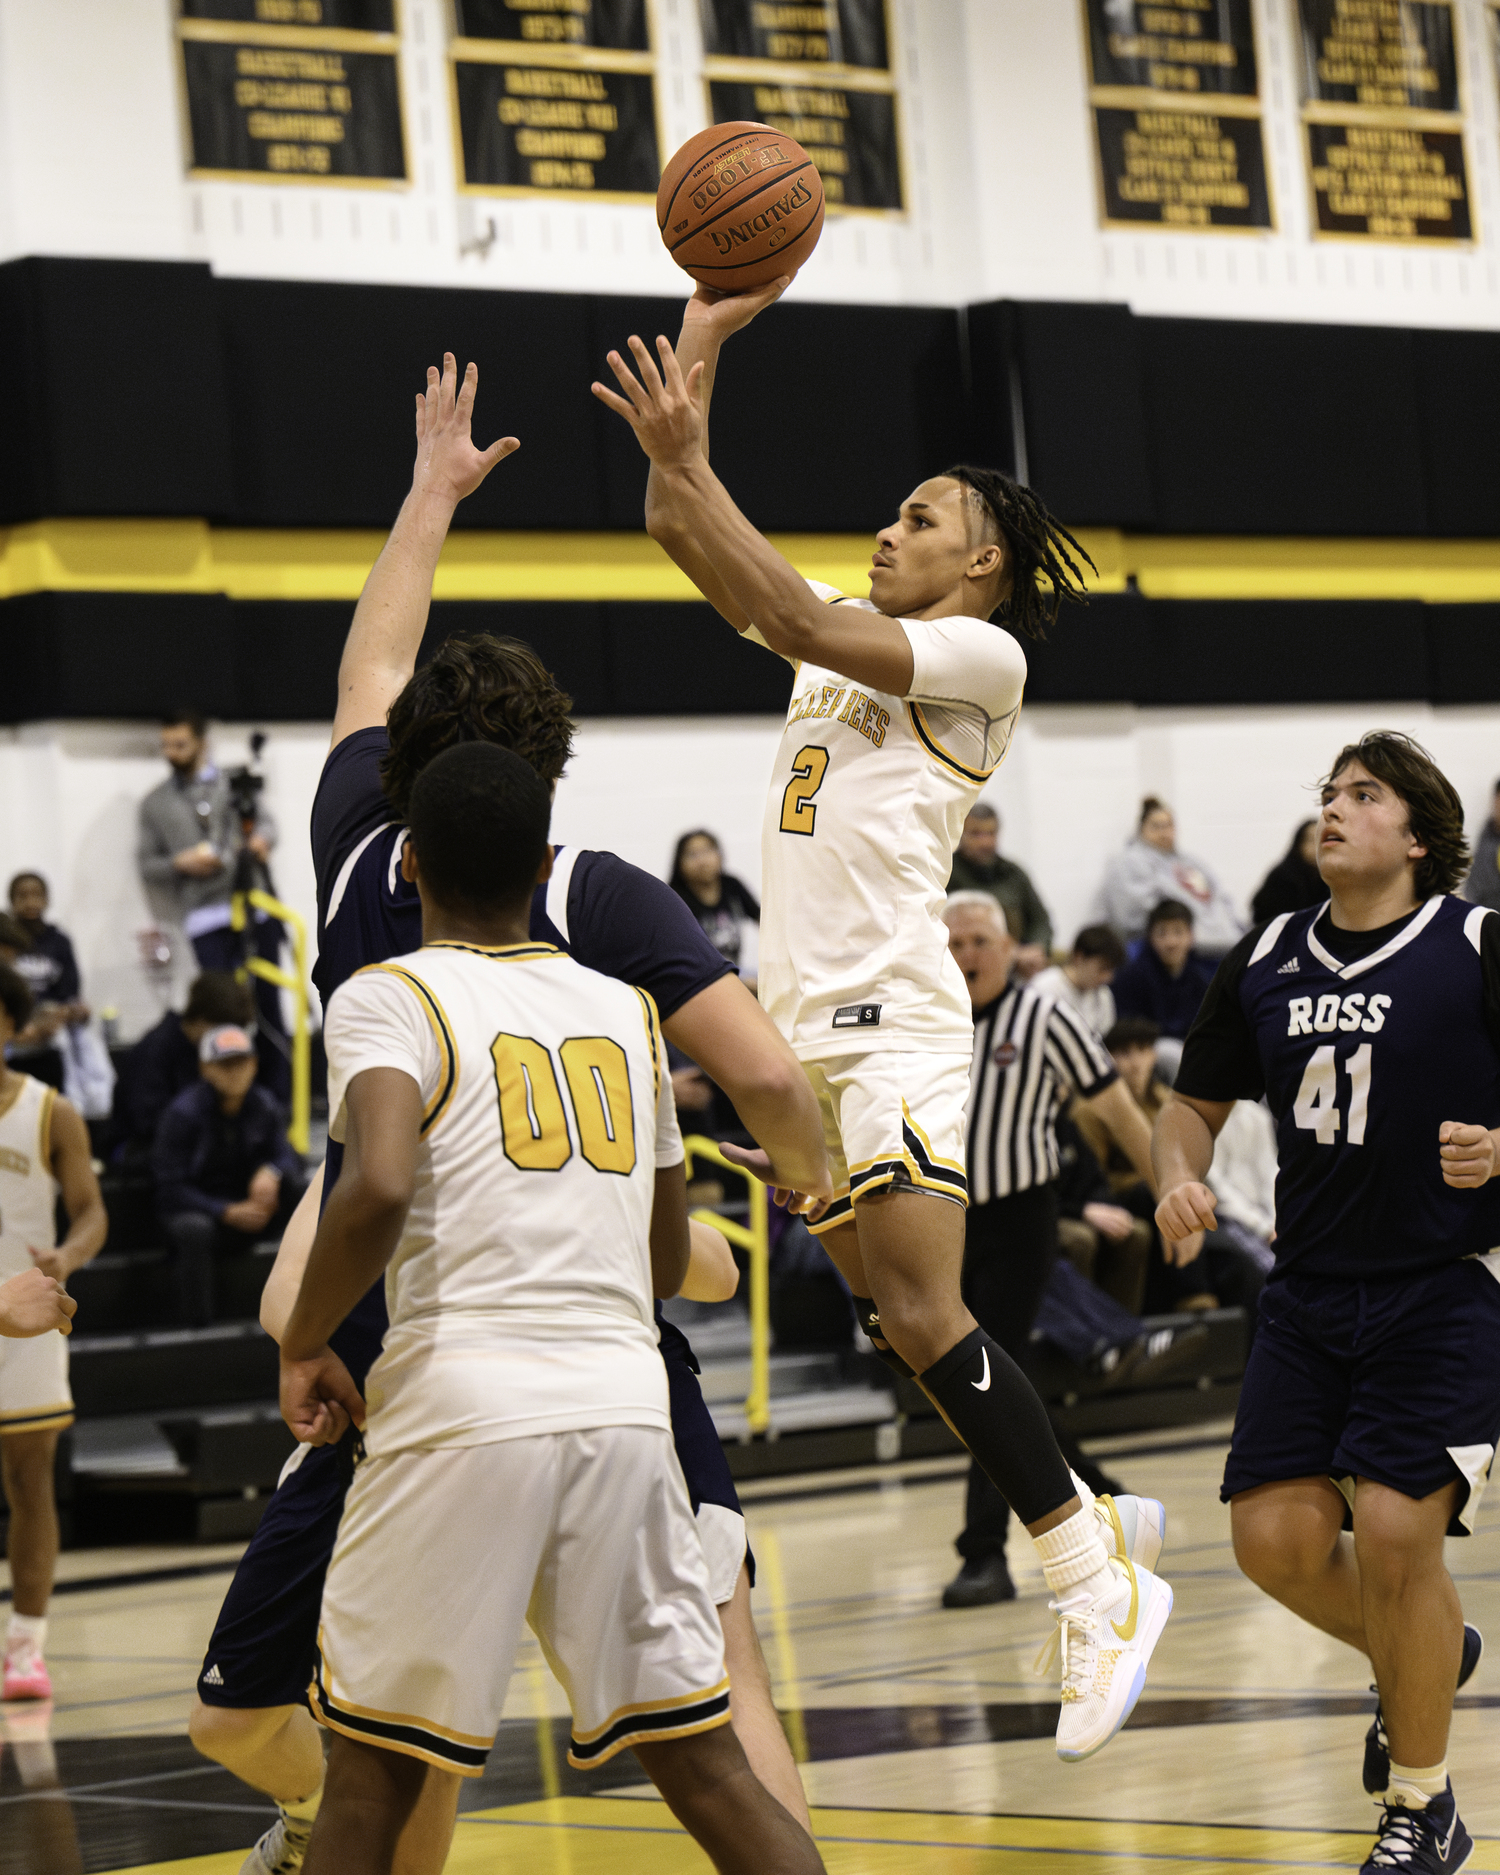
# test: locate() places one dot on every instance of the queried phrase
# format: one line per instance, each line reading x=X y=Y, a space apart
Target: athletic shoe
x=1104 y=1648
x=982 y=1580
x=1426 y=1842
x=26 y=1675
x=281 y=1850
x=1377 y=1772
x=1133 y=1528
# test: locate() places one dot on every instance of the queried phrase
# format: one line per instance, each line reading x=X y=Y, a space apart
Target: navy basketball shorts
x=1397 y=1381
x=265 y=1641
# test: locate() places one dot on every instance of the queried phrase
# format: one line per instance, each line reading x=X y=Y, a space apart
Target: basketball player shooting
x=903 y=706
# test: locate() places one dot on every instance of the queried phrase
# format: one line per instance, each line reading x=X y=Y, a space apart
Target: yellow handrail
x=294 y=980
x=756 y=1240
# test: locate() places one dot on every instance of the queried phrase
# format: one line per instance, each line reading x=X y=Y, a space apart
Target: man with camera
x=204 y=834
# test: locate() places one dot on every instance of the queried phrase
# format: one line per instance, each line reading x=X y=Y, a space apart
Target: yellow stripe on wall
x=190 y=556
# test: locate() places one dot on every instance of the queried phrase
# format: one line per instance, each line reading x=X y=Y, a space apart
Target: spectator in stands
x=1238 y=1255
x=190 y=841
x=33 y=1047
x=1101 y=1239
x=1483 y=882
x=49 y=967
x=1294 y=882
x=1084 y=977
x=1166 y=982
x=722 y=904
x=1150 y=870
x=979 y=867
x=225 y=1175
x=165 y=1060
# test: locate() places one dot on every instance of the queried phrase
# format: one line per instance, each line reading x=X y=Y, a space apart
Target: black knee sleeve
x=869 y=1320
x=994 y=1409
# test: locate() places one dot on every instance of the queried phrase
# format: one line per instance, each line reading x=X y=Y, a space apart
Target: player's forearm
x=392 y=612
x=86 y=1234
x=357 y=1237
x=696 y=345
x=712 y=1273
x=1182 y=1146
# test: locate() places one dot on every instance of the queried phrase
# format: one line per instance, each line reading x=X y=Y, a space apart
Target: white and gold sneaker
x=1103 y=1647
x=1133 y=1528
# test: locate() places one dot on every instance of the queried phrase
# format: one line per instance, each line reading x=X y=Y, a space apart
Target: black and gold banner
x=1198 y=46
x=358 y=16
x=1389 y=183
x=1182 y=169
x=1380 y=53
x=619 y=25
x=851 y=135
x=295 y=110
x=837 y=32
x=557 y=129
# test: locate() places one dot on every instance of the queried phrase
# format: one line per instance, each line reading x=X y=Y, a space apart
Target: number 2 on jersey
x=1316 y=1107
x=534 y=1118
x=799 y=812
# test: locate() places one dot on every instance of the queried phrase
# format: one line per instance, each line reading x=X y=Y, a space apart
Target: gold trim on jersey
x=511 y=952
x=935 y=749
x=653 y=1034
x=44 y=1129
x=447 y=1086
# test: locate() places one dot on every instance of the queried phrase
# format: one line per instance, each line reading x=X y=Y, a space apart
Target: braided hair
x=1035 y=544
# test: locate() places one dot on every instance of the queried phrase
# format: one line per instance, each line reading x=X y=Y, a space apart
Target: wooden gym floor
x=924 y=1739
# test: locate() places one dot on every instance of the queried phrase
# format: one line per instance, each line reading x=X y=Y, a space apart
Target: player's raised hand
x=449 y=464
x=1186 y=1209
x=757 y=1163
x=319 y=1398
x=716 y=315
x=1467 y=1154
x=35 y=1303
x=660 y=405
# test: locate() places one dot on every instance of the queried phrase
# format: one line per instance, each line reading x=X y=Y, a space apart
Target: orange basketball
x=740 y=204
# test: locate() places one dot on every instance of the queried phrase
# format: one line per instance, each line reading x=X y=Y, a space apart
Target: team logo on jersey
x=1005 y=1054
x=213 y=1677
x=1290 y=969
x=16 y=1162
x=857 y=1016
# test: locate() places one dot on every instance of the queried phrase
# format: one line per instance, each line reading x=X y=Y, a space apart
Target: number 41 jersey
x=520 y=1293
x=1363 y=1044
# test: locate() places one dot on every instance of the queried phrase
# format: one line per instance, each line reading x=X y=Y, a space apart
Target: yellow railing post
x=293 y=980
x=756 y=1240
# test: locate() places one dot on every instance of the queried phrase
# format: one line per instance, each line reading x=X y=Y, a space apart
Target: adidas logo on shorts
x=213 y=1677
x=1291 y=969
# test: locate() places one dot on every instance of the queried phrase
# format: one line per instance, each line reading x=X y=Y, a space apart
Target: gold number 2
x=534 y=1119
x=799 y=813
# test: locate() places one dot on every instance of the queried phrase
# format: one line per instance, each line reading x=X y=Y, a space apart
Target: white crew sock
x=1414 y=1785
x=1085 y=1496
x=26 y=1630
x=1074 y=1559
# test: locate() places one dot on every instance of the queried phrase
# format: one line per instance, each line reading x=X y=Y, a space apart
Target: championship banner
x=355 y=16
x=1195 y=46
x=840 y=32
x=553 y=129
x=1380 y=53
x=851 y=135
x=617 y=25
x=1178 y=169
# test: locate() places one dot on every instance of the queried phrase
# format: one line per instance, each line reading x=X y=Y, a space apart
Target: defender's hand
x=1186 y=1250
x=319 y=1398
x=806 y=1204
x=1184 y=1210
x=715 y=315
x=1467 y=1154
x=34 y=1303
x=449 y=466
x=661 y=406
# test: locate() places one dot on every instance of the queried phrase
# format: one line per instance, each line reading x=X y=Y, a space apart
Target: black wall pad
x=99 y=654
x=1458 y=393
x=114 y=390
x=1464 y=649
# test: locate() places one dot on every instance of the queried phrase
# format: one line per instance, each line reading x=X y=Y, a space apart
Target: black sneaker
x=982 y=1580
x=1427 y=1842
x=1377 y=1772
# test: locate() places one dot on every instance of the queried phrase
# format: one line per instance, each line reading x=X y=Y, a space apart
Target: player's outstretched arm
x=381 y=650
x=746 y=579
x=35 y=1303
x=1182 y=1147
x=737 y=1045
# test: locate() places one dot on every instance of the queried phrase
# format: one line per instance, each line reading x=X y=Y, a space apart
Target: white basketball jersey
x=868 y=798
x=28 y=1191
x=520 y=1295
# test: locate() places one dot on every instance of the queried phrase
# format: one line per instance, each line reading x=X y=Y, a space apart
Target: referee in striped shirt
x=1032 y=1053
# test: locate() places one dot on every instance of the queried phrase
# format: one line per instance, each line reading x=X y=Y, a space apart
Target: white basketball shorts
x=34 y=1391
x=444 y=1552
x=891 y=1118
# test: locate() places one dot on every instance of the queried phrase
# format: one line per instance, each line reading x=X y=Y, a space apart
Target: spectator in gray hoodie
x=1483 y=883
x=1151 y=869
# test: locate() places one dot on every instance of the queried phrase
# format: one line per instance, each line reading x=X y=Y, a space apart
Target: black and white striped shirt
x=1031 y=1053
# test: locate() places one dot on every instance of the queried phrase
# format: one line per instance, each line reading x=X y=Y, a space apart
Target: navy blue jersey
x=1363 y=1043
x=610 y=915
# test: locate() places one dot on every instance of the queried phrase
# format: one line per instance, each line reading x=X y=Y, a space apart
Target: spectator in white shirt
x=1084 y=978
